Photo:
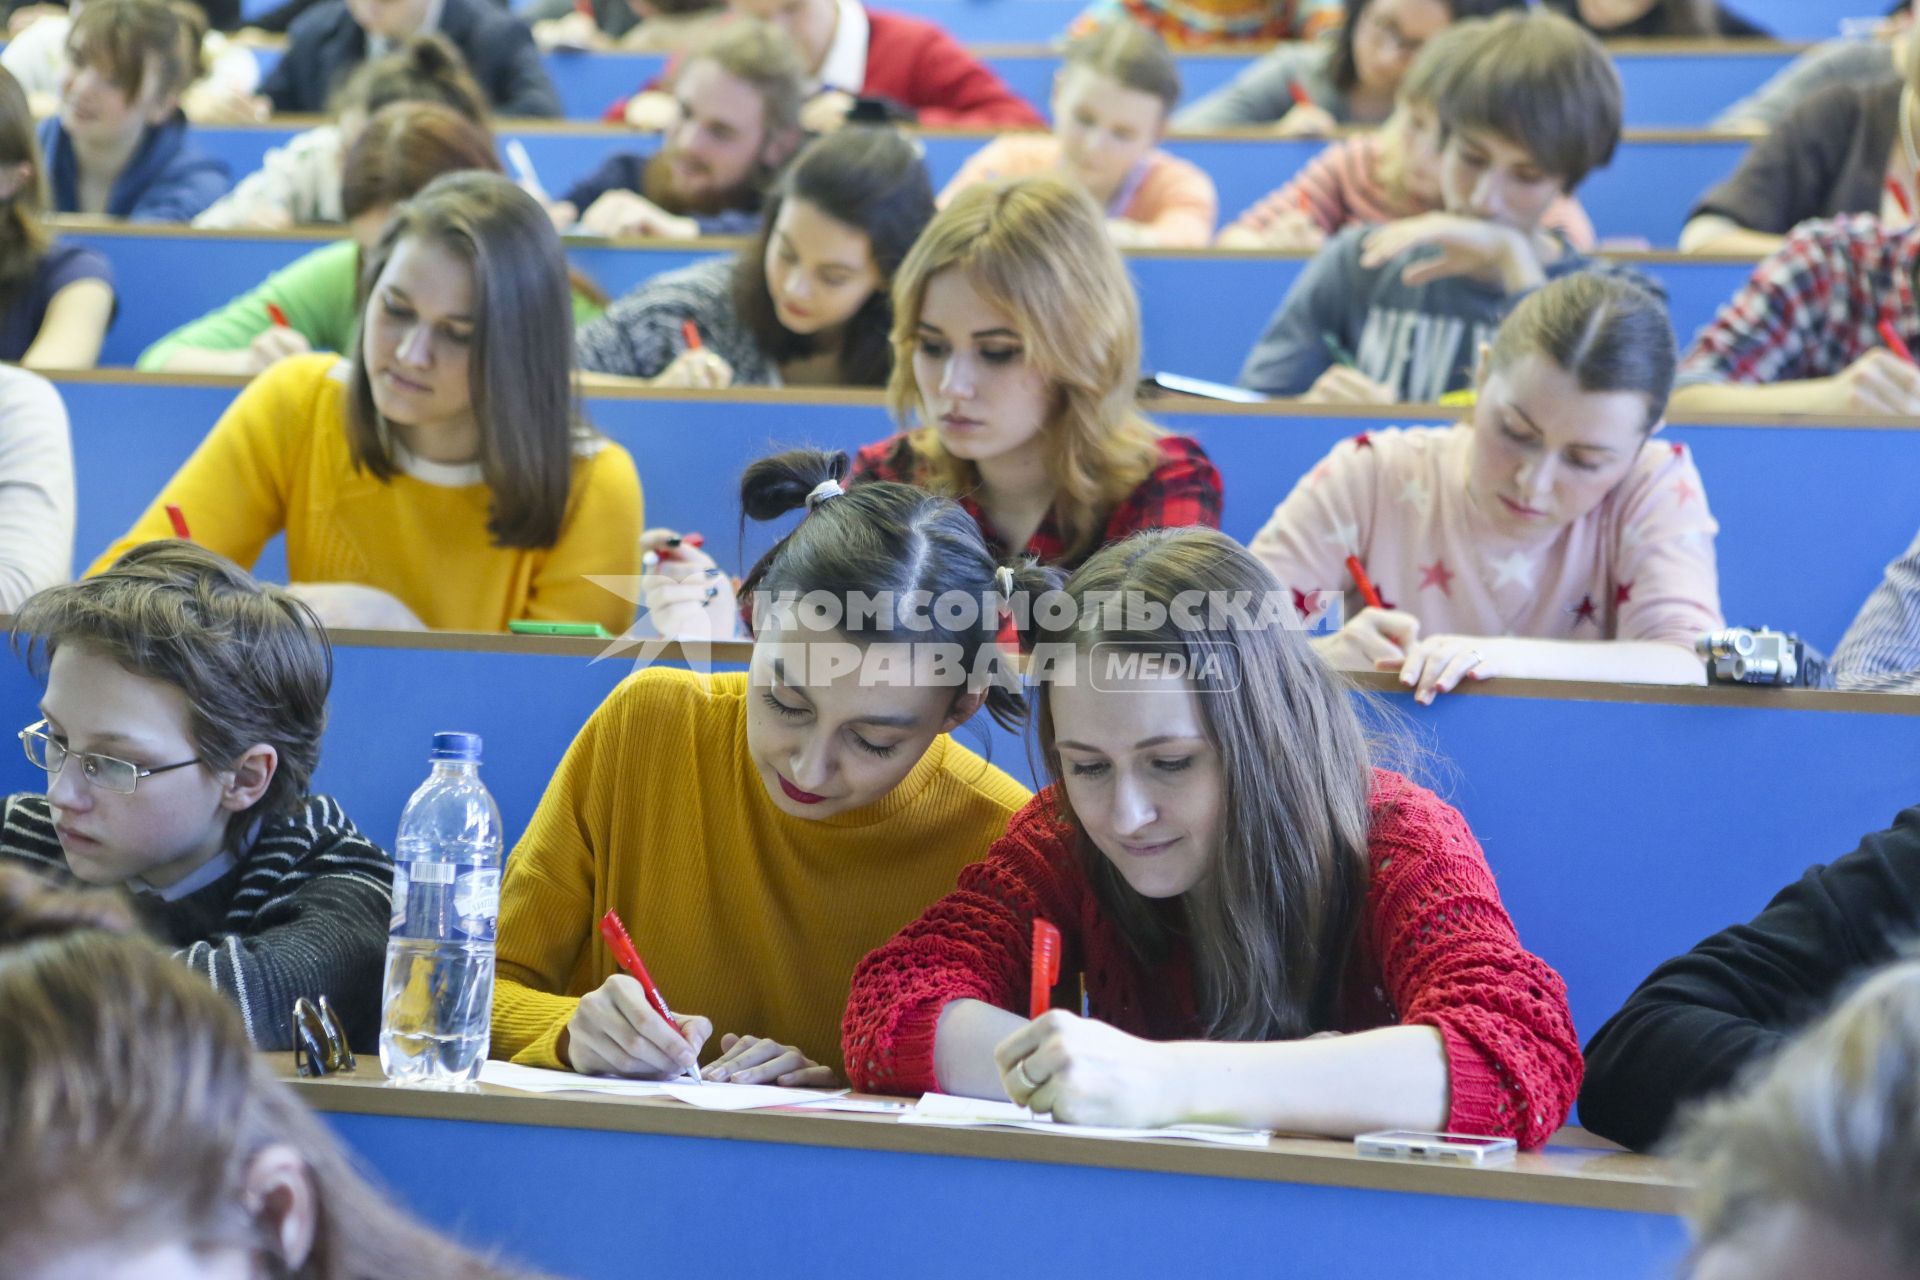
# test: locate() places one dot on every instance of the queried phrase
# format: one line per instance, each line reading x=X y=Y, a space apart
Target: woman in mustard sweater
x=759 y=832
x=440 y=477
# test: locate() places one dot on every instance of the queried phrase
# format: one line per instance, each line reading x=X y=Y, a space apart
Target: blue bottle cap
x=456 y=746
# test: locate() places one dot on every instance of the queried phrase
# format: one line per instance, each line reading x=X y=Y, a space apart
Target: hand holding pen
x=618 y=1030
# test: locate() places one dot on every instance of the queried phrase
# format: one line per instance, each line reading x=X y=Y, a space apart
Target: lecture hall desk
x=607 y=1189
x=1646 y=192
x=1201 y=310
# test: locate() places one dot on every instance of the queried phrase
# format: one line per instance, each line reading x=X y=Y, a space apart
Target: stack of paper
x=964 y=1113
x=711 y=1095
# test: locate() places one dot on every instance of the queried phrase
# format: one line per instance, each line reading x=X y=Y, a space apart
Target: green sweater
x=316 y=291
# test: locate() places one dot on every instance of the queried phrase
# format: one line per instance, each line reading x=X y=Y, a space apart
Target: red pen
x=1046 y=966
x=690 y=334
x=278 y=316
x=1899 y=194
x=1298 y=92
x=1895 y=343
x=629 y=959
x=1363 y=584
x=178 y=519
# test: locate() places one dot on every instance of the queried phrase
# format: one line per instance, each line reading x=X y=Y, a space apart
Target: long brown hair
x=403 y=148
x=1037 y=250
x=873 y=180
x=521 y=366
x=132 y=1103
x=1273 y=920
x=25 y=240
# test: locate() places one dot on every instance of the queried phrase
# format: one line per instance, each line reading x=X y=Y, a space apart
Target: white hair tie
x=822 y=491
x=1003 y=578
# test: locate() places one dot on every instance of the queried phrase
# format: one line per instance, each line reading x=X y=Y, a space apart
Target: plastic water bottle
x=437 y=1001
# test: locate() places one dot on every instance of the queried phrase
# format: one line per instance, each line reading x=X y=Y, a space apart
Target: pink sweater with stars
x=1639 y=566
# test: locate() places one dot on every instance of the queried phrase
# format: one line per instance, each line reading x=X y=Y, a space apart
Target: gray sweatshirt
x=1831 y=63
x=1263 y=92
x=1422 y=341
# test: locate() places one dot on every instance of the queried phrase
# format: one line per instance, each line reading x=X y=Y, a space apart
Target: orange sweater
x=744 y=913
x=278 y=460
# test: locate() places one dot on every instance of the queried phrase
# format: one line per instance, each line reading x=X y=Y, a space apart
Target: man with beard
x=738 y=104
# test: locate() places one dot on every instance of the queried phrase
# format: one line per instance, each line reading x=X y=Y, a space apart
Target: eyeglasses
x=319 y=1043
x=105 y=772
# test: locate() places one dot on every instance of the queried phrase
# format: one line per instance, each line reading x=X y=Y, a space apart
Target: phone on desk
x=1155 y=385
x=1436 y=1148
x=529 y=627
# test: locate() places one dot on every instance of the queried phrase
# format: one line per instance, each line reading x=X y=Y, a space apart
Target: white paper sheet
x=710 y=1096
x=942 y=1109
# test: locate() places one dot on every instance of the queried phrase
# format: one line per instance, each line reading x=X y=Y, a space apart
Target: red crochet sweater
x=1435 y=948
x=918 y=65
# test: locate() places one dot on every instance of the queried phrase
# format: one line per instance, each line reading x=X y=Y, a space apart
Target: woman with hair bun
x=759 y=832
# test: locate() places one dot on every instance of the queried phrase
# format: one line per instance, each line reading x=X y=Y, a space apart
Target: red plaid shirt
x=1183 y=489
x=1810 y=310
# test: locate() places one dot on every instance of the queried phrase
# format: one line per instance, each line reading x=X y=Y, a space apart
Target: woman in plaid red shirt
x=1016 y=341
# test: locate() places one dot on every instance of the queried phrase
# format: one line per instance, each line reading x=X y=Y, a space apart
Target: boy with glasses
x=181 y=725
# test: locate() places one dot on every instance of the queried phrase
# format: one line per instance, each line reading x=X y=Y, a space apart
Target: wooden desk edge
x=1638 y=1184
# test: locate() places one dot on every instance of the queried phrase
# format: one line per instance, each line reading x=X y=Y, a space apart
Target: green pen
x=529 y=627
x=1341 y=356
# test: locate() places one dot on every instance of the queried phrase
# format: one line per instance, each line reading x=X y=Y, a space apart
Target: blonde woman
x=1016 y=340
x=1810 y=1169
x=146 y=1137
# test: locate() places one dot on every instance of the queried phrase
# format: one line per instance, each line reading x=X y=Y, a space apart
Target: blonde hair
x=1037 y=251
x=1829 y=1126
x=132 y=1104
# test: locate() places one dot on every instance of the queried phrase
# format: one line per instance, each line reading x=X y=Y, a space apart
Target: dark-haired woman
x=805 y=304
x=1232 y=880
x=439 y=476
x=760 y=832
x=1348 y=79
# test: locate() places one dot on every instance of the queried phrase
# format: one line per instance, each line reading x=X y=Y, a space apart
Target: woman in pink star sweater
x=1510 y=544
x=1266 y=929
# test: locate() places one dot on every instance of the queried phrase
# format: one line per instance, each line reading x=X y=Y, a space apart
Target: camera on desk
x=1738 y=655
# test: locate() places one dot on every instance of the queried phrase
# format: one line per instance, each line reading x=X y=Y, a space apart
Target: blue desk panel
x=1665 y=91
x=1645 y=194
x=550 y=1197
x=1621 y=833
x=1199 y=315
x=1809 y=516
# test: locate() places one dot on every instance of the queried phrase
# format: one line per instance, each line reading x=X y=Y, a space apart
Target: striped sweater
x=302 y=912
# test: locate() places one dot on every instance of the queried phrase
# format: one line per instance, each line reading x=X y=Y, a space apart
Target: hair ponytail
x=891 y=543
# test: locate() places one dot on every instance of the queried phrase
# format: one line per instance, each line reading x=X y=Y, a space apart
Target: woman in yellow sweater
x=759 y=832
x=439 y=477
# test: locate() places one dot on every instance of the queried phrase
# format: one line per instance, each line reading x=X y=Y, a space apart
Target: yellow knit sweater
x=279 y=459
x=742 y=912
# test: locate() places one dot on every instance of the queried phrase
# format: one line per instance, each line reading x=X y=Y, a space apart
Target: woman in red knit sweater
x=1270 y=931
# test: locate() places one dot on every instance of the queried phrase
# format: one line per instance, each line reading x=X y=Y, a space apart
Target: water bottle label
x=476 y=902
x=399 y=915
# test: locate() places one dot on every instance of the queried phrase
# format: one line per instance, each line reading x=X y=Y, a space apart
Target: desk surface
x=1575 y=1171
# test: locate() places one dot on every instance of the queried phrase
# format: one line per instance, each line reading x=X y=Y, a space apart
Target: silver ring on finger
x=1021 y=1077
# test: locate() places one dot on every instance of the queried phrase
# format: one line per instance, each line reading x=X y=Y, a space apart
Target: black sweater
x=303 y=912
x=1703 y=1017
